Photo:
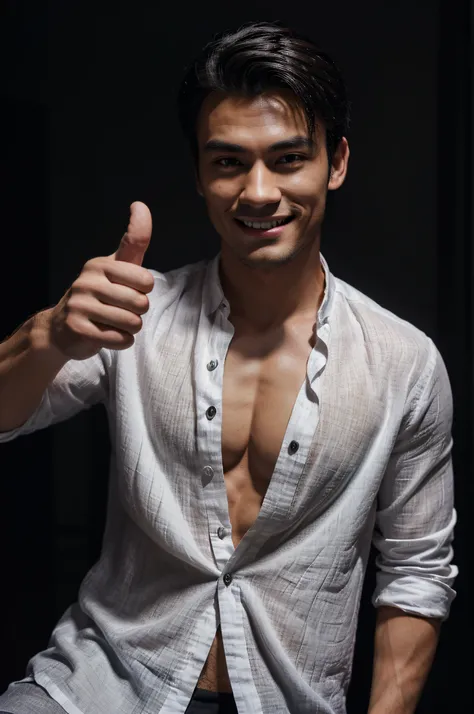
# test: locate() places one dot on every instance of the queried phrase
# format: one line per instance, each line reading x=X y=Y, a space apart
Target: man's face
x=263 y=178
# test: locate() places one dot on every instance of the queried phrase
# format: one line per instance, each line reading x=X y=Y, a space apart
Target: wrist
x=41 y=340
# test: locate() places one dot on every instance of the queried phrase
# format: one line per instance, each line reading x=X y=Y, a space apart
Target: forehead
x=250 y=121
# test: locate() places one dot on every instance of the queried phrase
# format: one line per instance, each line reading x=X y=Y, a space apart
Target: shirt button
x=211 y=413
x=221 y=532
x=227 y=579
x=208 y=471
x=212 y=364
x=293 y=447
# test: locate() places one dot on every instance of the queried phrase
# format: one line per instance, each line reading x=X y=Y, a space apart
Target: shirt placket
x=213 y=343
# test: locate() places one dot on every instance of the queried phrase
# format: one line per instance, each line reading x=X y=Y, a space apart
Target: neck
x=267 y=296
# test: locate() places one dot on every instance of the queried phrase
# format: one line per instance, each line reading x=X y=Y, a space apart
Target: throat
x=266 y=298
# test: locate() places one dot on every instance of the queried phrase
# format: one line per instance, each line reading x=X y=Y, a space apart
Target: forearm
x=28 y=364
x=405 y=646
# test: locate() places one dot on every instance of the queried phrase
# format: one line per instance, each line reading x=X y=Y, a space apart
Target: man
x=268 y=421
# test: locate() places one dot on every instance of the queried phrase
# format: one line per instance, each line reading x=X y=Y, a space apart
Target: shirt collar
x=214 y=295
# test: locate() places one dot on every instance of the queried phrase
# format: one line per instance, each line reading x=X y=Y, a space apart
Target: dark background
x=91 y=126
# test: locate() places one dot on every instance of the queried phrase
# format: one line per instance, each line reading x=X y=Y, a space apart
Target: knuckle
x=75 y=303
x=127 y=240
x=96 y=263
x=91 y=264
x=74 y=323
x=80 y=286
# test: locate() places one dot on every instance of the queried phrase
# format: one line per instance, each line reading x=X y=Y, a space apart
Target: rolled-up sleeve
x=415 y=512
x=77 y=386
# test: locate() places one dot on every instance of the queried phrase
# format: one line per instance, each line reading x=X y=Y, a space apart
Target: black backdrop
x=91 y=126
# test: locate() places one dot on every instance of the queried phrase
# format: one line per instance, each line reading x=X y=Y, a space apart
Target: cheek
x=308 y=189
x=221 y=193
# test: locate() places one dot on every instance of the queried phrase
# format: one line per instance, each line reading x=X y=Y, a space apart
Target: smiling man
x=268 y=422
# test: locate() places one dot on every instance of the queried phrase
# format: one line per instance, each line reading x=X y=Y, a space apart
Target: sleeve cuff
x=420 y=596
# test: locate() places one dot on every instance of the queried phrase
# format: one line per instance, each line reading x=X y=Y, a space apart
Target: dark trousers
x=204 y=702
x=30 y=698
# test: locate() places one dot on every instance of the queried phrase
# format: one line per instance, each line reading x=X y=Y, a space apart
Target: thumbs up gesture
x=136 y=240
x=103 y=306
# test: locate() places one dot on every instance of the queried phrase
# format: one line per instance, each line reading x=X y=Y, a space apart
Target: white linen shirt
x=366 y=455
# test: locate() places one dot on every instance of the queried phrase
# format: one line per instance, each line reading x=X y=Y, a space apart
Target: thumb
x=136 y=240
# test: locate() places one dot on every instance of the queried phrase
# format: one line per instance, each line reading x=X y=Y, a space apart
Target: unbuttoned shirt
x=366 y=457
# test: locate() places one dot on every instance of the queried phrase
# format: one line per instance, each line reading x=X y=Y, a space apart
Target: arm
x=405 y=646
x=56 y=363
x=27 y=366
x=414 y=532
x=39 y=385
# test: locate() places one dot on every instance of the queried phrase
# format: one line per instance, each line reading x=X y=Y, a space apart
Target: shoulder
x=178 y=288
x=175 y=304
x=395 y=345
x=178 y=280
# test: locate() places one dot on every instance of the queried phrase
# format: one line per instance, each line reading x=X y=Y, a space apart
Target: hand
x=102 y=308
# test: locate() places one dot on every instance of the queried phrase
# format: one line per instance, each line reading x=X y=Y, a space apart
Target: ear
x=339 y=165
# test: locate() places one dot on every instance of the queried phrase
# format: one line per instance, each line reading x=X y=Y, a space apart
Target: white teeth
x=263 y=226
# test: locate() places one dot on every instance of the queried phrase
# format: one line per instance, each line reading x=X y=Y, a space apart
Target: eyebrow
x=295 y=142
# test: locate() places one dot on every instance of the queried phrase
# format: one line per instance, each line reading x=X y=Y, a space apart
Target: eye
x=291 y=159
x=227 y=162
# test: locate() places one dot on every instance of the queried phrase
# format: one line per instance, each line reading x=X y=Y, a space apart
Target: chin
x=267 y=256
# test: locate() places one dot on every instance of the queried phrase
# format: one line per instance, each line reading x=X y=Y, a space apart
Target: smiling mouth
x=265 y=225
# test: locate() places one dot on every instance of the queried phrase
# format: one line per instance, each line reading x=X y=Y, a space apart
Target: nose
x=260 y=187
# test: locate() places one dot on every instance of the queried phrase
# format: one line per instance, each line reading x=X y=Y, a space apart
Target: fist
x=103 y=306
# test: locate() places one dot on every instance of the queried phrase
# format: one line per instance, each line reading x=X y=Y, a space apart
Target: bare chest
x=262 y=378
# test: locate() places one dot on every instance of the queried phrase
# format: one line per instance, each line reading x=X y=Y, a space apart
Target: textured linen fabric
x=31 y=698
x=366 y=455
